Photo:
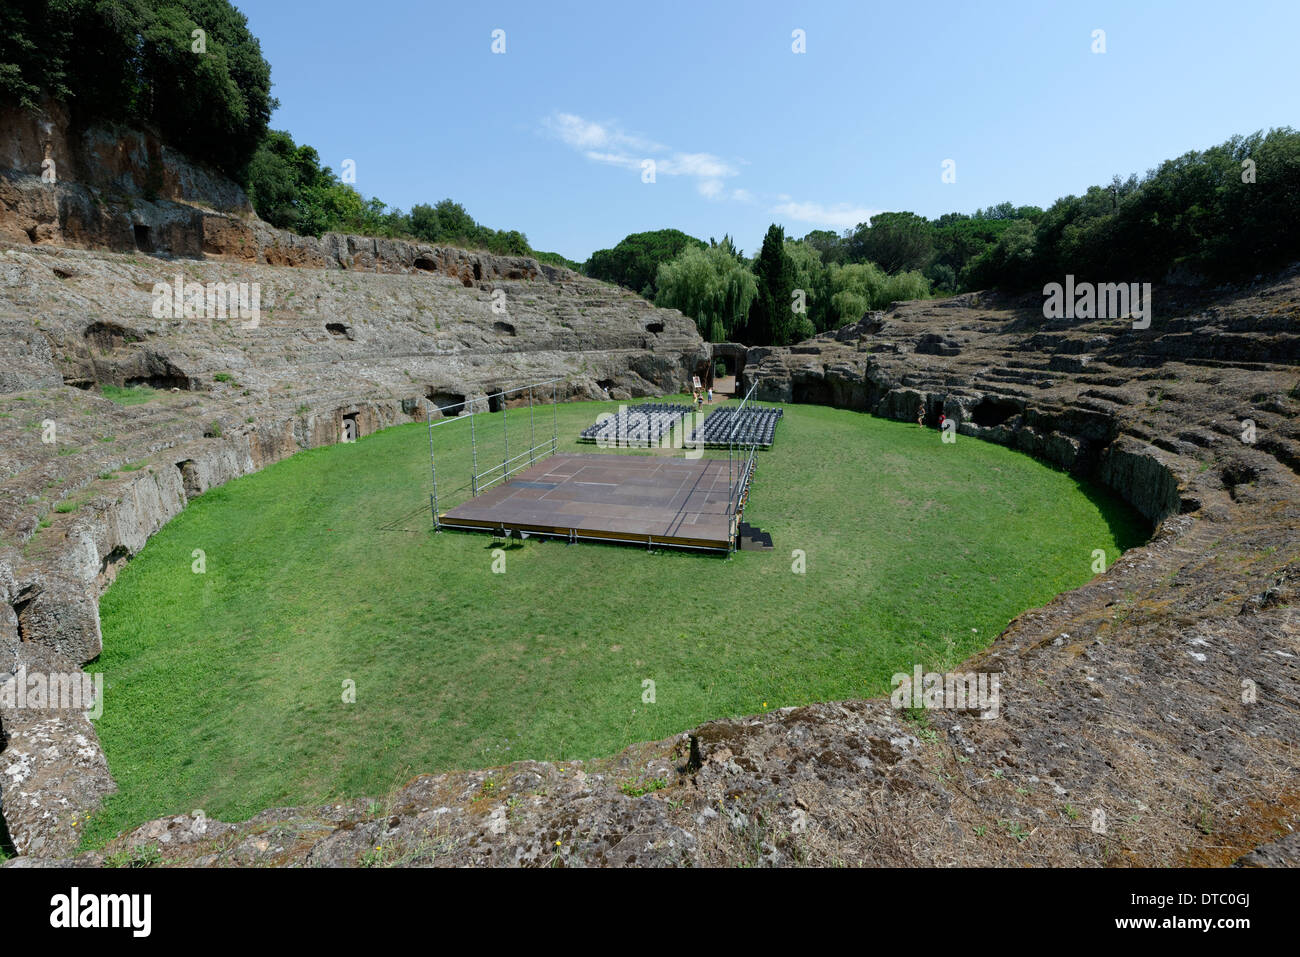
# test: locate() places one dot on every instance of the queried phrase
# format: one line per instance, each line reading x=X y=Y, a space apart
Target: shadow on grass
x=509 y=545
x=1129 y=527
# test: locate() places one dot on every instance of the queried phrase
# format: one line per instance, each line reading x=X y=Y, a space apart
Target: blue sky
x=549 y=137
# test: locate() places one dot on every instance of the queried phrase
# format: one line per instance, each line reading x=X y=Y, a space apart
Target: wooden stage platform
x=644 y=499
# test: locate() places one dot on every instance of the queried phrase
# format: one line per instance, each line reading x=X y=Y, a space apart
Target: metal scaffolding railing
x=480 y=481
x=738 y=475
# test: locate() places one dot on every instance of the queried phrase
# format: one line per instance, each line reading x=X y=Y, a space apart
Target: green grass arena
x=224 y=690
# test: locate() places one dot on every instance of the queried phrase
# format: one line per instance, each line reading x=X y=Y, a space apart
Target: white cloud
x=607 y=143
x=702 y=165
x=840 y=216
x=613 y=159
x=574 y=131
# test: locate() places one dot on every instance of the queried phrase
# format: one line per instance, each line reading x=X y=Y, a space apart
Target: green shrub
x=146 y=856
x=133 y=62
x=131 y=395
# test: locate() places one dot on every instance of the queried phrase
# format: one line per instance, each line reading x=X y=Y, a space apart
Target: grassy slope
x=224 y=688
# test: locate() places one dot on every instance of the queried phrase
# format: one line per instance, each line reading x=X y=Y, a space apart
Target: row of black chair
x=638 y=425
x=754 y=425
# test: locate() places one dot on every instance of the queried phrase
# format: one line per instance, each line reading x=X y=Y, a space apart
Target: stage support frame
x=737 y=484
x=482 y=481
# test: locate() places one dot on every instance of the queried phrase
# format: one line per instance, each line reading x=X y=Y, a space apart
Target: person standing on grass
x=920 y=415
x=710 y=395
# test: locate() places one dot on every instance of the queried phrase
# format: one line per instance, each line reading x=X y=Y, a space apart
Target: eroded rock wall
x=1135 y=409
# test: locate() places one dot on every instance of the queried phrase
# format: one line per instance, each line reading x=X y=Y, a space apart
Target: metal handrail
x=514 y=459
x=502 y=392
x=548 y=447
x=735 y=413
x=484 y=487
x=744 y=477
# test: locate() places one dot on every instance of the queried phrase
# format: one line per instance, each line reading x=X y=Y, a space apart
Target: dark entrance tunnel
x=811 y=391
x=993 y=411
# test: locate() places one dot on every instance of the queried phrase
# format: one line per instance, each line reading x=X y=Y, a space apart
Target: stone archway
x=731 y=356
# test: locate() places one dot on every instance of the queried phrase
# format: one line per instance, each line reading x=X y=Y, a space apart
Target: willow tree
x=857 y=288
x=812 y=278
x=711 y=285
